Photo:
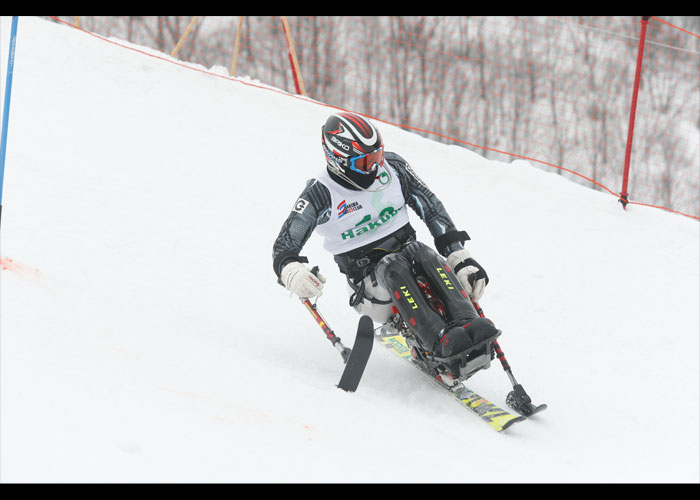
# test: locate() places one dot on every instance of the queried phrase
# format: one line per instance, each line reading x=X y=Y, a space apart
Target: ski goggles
x=367 y=163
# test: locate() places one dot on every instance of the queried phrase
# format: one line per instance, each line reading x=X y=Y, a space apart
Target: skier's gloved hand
x=298 y=279
x=469 y=273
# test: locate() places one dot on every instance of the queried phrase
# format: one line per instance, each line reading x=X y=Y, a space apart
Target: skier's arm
x=428 y=207
x=310 y=209
x=448 y=240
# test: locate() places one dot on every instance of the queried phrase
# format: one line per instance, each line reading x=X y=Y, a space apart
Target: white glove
x=297 y=278
x=469 y=273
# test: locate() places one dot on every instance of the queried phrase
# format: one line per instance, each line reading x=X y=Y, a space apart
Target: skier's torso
x=361 y=217
x=348 y=220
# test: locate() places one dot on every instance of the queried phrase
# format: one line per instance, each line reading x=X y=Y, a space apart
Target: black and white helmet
x=353 y=147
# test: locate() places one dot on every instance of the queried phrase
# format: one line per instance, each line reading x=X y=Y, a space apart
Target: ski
x=497 y=418
x=359 y=355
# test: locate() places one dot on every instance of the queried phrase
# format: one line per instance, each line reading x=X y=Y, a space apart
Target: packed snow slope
x=144 y=337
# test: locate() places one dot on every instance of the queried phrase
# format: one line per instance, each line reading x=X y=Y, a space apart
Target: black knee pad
x=480 y=329
x=460 y=338
x=394 y=272
x=444 y=284
x=452 y=341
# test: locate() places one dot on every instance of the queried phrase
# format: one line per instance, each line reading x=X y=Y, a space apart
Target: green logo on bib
x=367 y=224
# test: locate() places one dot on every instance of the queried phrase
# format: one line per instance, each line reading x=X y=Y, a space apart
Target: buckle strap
x=359 y=292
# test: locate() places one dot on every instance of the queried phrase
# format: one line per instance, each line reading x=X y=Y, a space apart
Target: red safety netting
x=554 y=90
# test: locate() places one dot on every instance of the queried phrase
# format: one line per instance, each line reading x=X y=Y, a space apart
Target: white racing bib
x=361 y=217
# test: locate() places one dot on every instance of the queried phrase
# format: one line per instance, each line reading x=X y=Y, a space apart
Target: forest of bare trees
x=552 y=89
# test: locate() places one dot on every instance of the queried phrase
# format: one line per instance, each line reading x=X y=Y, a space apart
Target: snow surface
x=144 y=337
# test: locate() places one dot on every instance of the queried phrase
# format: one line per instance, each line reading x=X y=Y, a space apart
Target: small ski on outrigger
x=355 y=359
x=517 y=399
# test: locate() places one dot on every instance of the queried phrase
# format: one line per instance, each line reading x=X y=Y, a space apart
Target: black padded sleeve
x=428 y=207
x=312 y=207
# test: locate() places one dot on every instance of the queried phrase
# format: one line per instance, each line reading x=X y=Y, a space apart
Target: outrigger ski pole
x=335 y=340
x=517 y=399
x=355 y=359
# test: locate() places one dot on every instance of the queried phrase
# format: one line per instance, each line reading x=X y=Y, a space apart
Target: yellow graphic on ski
x=498 y=418
x=396 y=344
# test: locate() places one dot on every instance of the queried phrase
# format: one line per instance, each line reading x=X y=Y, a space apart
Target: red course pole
x=298 y=82
x=633 y=111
